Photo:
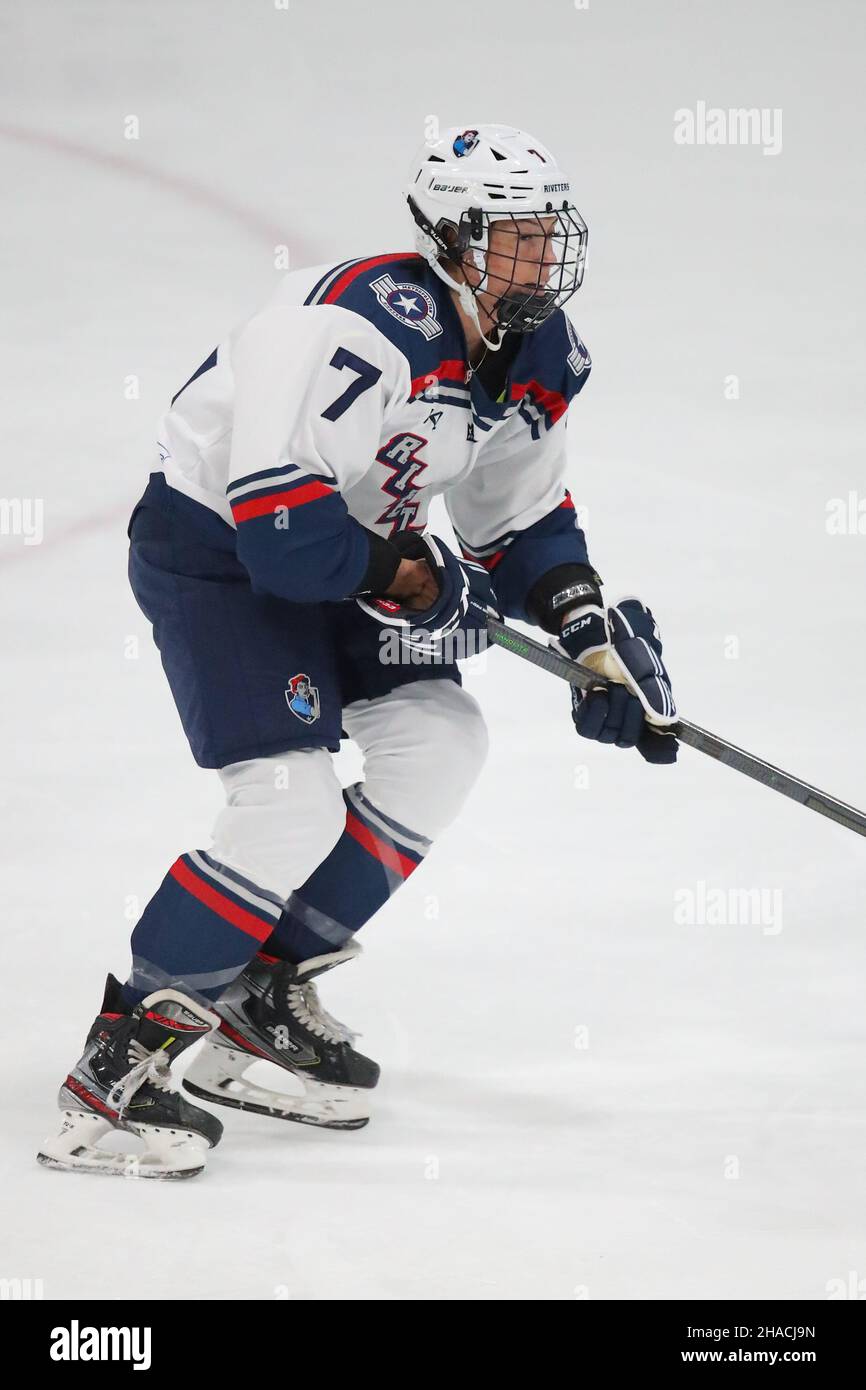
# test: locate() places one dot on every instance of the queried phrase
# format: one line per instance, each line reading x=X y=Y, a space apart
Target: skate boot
x=123 y=1082
x=273 y=1012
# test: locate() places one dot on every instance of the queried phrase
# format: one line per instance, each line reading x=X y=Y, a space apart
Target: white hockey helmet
x=468 y=179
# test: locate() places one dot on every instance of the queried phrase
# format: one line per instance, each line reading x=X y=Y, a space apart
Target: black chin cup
x=521 y=312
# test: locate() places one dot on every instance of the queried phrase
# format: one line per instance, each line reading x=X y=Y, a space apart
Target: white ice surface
x=504 y=1161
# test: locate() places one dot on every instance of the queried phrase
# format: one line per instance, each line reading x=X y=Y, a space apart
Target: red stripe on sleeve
x=452 y=369
x=296 y=497
x=491 y=561
x=555 y=404
x=488 y=561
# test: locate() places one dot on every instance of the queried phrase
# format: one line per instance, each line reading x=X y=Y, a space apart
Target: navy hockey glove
x=622 y=643
x=464 y=600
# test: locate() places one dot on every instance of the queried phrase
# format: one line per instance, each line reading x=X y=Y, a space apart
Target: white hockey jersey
x=346 y=404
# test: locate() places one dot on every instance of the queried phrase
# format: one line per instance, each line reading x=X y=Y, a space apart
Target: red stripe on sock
x=379 y=850
x=218 y=903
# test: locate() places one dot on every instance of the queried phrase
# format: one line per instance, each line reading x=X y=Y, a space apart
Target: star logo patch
x=409 y=304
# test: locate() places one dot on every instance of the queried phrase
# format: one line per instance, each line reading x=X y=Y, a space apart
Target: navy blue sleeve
x=554 y=540
x=513 y=513
x=296 y=538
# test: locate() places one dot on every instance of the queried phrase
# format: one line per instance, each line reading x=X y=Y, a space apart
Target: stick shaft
x=529 y=649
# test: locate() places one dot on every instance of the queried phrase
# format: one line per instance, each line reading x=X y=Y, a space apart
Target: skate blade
x=277 y=1111
x=168 y=1154
x=217 y=1075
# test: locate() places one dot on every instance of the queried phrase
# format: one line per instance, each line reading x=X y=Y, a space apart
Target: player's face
x=521 y=255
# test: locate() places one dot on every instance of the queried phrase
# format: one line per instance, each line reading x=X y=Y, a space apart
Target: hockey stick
x=711 y=744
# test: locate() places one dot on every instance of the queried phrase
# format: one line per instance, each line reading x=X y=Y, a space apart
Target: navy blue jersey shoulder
x=553 y=363
x=413 y=308
x=401 y=296
x=549 y=368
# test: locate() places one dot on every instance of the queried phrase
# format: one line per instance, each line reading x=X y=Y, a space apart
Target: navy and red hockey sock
x=206 y=921
x=372 y=858
x=199 y=930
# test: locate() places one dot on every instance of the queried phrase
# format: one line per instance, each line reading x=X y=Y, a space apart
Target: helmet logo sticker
x=465 y=143
x=409 y=304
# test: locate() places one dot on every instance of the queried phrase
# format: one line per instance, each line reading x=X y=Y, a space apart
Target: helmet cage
x=519 y=305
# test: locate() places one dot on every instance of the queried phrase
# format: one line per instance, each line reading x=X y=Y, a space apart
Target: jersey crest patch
x=302 y=698
x=409 y=304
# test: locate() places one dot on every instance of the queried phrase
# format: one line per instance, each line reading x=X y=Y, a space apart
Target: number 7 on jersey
x=367 y=376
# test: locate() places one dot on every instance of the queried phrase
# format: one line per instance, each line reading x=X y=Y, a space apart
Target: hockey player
x=282 y=538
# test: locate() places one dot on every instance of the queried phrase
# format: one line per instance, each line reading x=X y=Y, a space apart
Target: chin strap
x=467 y=299
x=433 y=251
x=470 y=304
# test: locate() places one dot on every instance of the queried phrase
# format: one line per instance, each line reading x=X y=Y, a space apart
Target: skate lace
x=304 y=1002
x=148 y=1067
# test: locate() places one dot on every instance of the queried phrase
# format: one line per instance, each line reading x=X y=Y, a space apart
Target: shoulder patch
x=578 y=359
x=409 y=303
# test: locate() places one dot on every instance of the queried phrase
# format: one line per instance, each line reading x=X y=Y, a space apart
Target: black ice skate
x=123 y=1082
x=273 y=1012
